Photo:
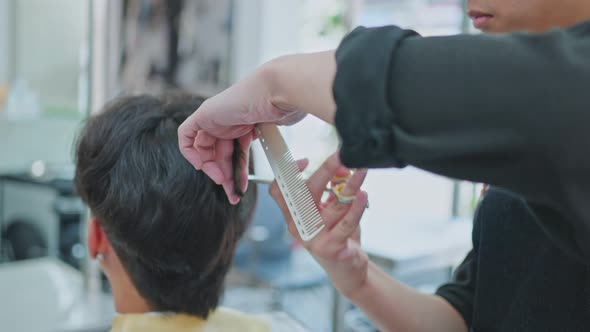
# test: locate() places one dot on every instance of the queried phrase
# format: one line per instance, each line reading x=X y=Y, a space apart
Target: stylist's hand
x=206 y=137
x=282 y=91
x=337 y=247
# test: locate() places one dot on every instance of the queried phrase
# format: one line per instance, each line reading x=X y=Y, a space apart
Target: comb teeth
x=292 y=185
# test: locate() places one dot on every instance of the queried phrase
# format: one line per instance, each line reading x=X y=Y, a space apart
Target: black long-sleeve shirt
x=515 y=278
x=509 y=110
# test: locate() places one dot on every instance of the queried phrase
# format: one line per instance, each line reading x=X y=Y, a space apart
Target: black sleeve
x=460 y=291
x=508 y=110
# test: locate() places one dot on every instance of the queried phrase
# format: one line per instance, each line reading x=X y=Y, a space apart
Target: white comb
x=290 y=180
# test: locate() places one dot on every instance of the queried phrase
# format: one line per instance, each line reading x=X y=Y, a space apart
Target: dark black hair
x=171 y=226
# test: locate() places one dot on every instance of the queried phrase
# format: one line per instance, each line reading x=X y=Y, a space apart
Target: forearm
x=396 y=307
x=303 y=82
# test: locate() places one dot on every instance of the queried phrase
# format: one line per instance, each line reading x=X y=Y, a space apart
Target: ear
x=97 y=239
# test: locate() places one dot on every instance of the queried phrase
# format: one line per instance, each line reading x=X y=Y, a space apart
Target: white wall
x=263 y=29
x=281 y=22
x=246 y=38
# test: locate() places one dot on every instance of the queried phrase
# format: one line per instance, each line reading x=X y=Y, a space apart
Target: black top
x=510 y=110
x=515 y=278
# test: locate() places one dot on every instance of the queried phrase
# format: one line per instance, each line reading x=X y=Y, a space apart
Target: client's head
x=164 y=232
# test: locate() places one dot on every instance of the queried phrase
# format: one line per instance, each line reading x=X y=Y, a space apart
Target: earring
x=100 y=257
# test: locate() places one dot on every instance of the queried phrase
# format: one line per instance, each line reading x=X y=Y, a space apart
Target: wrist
x=365 y=289
x=302 y=83
x=276 y=76
x=362 y=288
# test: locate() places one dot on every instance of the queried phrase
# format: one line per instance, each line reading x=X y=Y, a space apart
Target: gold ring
x=340 y=179
x=342 y=199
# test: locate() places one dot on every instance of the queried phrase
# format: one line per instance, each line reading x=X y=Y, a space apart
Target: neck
x=127 y=298
x=125 y=295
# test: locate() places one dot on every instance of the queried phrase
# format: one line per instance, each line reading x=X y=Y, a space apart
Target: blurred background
x=61 y=60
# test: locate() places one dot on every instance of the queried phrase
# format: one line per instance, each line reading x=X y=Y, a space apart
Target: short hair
x=171 y=226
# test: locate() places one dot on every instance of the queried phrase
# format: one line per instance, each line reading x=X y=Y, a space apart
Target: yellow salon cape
x=222 y=320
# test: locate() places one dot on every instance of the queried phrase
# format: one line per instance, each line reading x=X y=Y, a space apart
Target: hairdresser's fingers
x=224 y=150
x=302 y=164
x=331 y=241
x=244 y=143
x=205 y=142
x=318 y=181
x=342 y=173
x=187 y=132
x=348 y=225
x=357 y=234
x=334 y=210
x=212 y=169
x=354 y=183
x=230 y=191
x=223 y=157
x=205 y=147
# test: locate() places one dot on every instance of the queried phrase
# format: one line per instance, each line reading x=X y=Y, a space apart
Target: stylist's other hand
x=206 y=137
x=337 y=247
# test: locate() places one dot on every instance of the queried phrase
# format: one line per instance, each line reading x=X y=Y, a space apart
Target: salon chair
x=22 y=239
